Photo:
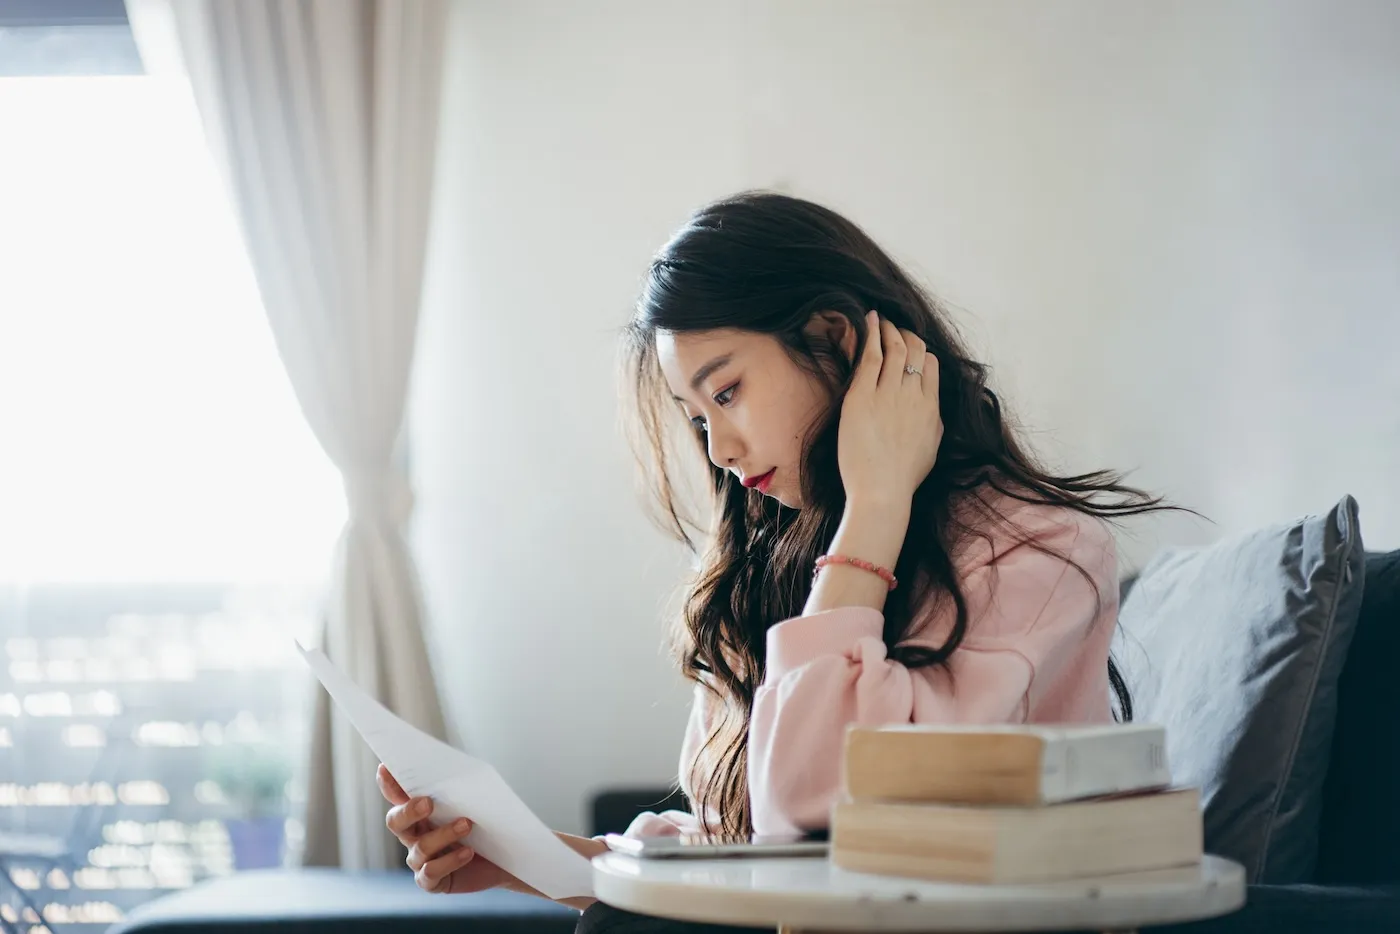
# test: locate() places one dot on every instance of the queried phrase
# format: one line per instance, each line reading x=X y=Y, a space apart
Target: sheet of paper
x=506 y=831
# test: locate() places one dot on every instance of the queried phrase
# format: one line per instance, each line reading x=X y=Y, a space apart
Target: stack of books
x=1014 y=804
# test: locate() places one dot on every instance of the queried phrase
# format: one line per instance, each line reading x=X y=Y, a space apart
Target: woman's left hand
x=890 y=423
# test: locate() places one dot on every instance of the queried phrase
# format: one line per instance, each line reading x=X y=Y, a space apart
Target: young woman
x=882 y=548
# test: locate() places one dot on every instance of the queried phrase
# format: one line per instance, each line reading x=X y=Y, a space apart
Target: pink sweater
x=1036 y=651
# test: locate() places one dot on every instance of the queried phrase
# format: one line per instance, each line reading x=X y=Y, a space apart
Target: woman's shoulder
x=1026 y=562
x=997 y=523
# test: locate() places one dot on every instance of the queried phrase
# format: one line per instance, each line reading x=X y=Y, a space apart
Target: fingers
x=436 y=874
x=402 y=817
x=930 y=377
x=892 y=367
x=433 y=854
x=434 y=843
x=868 y=367
x=389 y=786
x=914 y=351
x=888 y=350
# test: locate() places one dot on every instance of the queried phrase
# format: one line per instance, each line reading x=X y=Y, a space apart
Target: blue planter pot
x=257 y=843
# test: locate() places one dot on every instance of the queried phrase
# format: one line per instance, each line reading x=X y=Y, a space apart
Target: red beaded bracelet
x=884 y=574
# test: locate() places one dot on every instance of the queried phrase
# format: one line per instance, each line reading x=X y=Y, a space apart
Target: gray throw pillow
x=1236 y=648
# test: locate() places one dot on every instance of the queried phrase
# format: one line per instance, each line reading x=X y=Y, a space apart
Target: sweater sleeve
x=665 y=824
x=1028 y=614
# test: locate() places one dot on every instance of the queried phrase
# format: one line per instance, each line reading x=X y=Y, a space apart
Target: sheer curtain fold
x=323 y=116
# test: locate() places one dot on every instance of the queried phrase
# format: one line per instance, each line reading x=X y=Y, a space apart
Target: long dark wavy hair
x=767 y=263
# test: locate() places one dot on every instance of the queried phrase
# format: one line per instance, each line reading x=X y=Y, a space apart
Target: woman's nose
x=725 y=447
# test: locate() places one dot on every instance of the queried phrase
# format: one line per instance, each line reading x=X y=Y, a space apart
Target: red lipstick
x=761 y=481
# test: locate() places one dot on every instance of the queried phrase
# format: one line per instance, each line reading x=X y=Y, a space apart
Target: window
x=166 y=517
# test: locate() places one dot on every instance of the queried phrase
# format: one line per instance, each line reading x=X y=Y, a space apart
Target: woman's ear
x=836 y=329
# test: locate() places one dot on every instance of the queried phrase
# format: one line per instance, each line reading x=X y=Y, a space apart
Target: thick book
x=1025 y=765
x=1014 y=845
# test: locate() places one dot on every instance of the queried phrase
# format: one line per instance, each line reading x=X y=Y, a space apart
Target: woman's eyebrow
x=706 y=370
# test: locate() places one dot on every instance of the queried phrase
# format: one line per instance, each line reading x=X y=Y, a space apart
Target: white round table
x=814 y=895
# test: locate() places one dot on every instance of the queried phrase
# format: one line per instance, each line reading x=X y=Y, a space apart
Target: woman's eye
x=726 y=396
x=699 y=423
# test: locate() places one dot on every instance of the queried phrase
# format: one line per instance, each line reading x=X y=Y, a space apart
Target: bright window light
x=147 y=429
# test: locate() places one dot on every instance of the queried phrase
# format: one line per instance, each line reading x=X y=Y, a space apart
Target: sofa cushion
x=311 y=901
x=1303 y=909
x=1360 y=836
x=1236 y=648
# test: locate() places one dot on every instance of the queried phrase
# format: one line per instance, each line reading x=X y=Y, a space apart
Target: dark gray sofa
x=1356 y=886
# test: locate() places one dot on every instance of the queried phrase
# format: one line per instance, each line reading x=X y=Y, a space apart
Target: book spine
x=1103 y=765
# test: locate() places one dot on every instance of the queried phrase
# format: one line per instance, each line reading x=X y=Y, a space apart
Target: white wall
x=1173 y=228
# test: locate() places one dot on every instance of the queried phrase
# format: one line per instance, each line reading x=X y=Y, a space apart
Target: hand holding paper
x=440 y=861
x=506 y=831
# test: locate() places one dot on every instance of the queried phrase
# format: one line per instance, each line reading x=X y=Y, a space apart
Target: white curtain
x=323 y=115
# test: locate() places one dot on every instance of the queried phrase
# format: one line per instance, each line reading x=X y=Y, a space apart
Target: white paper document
x=506 y=831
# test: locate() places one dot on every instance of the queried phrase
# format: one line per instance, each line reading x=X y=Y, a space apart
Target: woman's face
x=754 y=403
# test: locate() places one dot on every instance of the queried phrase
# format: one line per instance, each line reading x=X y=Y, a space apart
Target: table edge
x=752 y=909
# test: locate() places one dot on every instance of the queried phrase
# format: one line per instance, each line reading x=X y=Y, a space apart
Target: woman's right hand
x=440 y=861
